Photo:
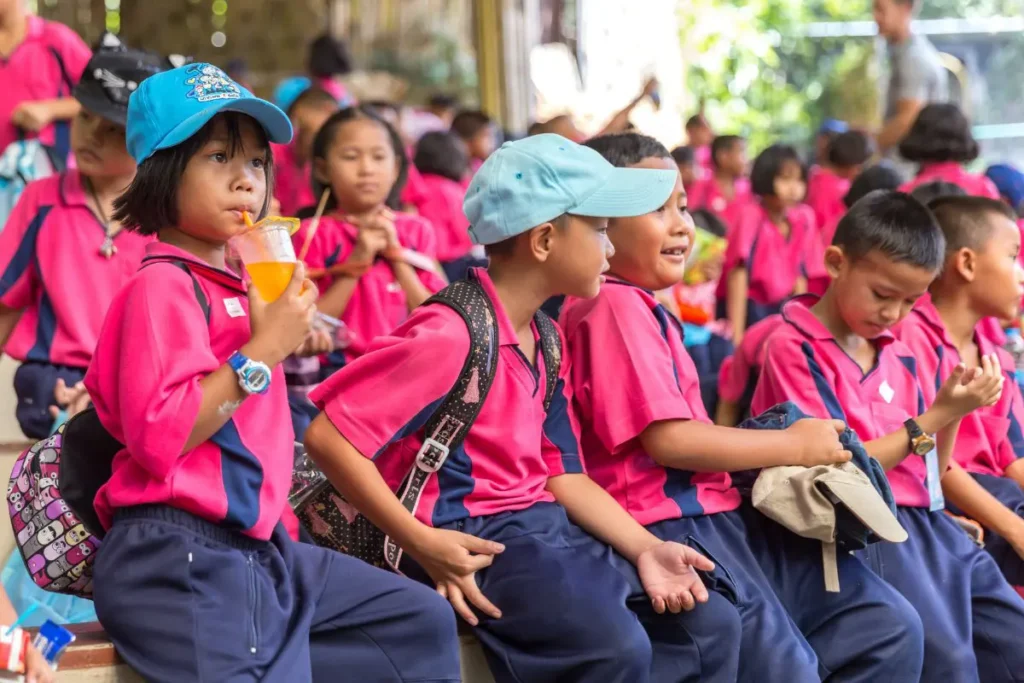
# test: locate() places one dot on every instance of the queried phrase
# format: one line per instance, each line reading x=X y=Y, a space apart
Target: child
x=726 y=190
x=836 y=357
x=40 y=63
x=328 y=61
x=688 y=169
x=496 y=523
x=739 y=373
x=829 y=131
x=941 y=142
x=477 y=130
x=293 y=186
x=766 y=261
x=981 y=278
x=63 y=255
x=360 y=159
x=826 y=188
x=650 y=443
x=442 y=161
x=198 y=578
x=699 y=136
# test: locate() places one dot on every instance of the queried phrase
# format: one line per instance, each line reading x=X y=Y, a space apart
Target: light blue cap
x=170 y=107
x=539 y=178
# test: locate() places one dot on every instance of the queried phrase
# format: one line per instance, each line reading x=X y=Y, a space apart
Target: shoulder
x=615 y=302
x=61 y=36
x=436 y=326
x=785 y=341
x=45 y=191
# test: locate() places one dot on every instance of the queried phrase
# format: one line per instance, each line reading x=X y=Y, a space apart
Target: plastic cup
x=268 y=255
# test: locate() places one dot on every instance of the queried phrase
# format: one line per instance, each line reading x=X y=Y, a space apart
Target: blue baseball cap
x=1010 y=183
x=833 y=127
x=170 y=107
x=288 y=90
x=534 y=180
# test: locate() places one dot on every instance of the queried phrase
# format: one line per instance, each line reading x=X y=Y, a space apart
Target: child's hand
x=816 y=442
x=385 y=220
x=318 y=342
x=32 y=116
x=667 y=572
x=967 y=390
x=37 y=669
x=370 y=242
x=452 y=559
x=72 y=399
x=280 y=327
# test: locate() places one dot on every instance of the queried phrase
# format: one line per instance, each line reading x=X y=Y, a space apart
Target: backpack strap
x=448 y=426
x=204 y=302
x=551 y=347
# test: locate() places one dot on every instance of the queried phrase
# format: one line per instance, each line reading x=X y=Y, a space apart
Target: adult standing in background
x=916 y=75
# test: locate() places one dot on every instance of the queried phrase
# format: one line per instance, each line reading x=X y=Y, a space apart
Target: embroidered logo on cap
x=210 y=83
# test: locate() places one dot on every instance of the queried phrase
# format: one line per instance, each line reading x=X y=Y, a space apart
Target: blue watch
x=253 y=376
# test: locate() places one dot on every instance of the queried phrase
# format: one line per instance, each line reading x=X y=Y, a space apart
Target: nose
x=1018 y=272
x=891 y=313
x=609 y=248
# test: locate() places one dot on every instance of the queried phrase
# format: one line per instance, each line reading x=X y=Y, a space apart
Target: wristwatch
x=253 y=376
x=920 y=443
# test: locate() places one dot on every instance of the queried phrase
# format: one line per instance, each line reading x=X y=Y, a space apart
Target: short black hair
x=467 y=124
x=442 y=154
x=940 y=133
x=696 y=121
x=683 y=155
x=709 y=222
x=626 y=149
x=313 y=96
x=881 y=176
x=325 y=138
x=849 y=149
x=442 y=101
x=151 y=201
x=897 y=225
x=937 y=189
x=722 y=144
x=328 y=57
x=963 y=219
x=768 y=165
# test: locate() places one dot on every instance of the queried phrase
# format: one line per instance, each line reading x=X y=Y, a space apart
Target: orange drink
x=269 y=257
x=271 y=277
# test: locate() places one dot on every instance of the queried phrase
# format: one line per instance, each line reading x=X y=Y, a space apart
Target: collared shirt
x=442 y=206
x=707 y=194
x=952 y=172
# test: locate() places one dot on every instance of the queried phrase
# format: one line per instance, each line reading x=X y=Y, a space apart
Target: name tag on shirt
x=887 y=392
x=234 y=307
x=933 y=481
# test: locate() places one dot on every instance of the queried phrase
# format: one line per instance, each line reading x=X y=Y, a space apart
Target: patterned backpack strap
x=551 y=347
x=448 y=426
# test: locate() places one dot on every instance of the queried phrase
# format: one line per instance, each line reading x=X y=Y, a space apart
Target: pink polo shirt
x=442 y=206
x=825 y=192
x=631 y=369
x=415 y=192
x=378 y=304
x=952 y=172
x=804 y=364
x=53 y=270
x=706 y=194
x=773 y=262
x=989 y=439
x=32 y=72
x=155 y=347
x=744 y=367
x=293 y=186
x=381 y=401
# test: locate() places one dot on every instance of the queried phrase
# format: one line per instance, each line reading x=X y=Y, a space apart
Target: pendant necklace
x=108 y=248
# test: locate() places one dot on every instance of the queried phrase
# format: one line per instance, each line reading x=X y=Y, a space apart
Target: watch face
x=923 y=445
x=257 y=379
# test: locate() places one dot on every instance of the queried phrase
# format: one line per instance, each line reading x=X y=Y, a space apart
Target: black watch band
x=913 y=429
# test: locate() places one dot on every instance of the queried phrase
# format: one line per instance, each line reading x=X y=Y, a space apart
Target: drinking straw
x=314 y=224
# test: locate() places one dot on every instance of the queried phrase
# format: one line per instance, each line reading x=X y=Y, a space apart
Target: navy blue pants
x=574 y=611
x=34 y=384
x=973 y=620
x=1011 y=495
x=865 y=632
x=186 y=600
x=303 y=413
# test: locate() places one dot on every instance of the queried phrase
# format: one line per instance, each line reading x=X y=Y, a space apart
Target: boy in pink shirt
x=725 y=190
x=293 y=176
x=40 y=63
x=650 y=443
x=61 y=235
x=836 y=357
x=981 y=278
x=495 y=520
x=826 y=188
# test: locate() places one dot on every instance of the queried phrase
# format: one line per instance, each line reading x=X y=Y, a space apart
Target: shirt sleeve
x=791 y=372
x=741 y=239
x=391 y=391
x=73 y=51
x=19 y=277
x=560 y=442
x=912 y=71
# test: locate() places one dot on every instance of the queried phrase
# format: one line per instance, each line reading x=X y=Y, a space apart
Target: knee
x=431 y=617
x=633 y=652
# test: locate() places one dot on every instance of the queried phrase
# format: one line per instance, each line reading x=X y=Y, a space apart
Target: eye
x=878 y=295
x=259 y=162
x=219 y=157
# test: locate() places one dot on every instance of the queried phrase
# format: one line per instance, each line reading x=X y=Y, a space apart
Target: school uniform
x=825 y=192
x=378 y=303
x=198 y=578
x=990 y=439
x=442 y=206
x=572 y=610
x=293 y=183
x=46 y=65
x=972 y=618
x=773 y=262
x=739 y=374
x=707 y=194
x=631 y=369
x=952 y=172
x=53 y=270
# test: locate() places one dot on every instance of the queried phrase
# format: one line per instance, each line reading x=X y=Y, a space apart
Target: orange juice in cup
x=269 y=257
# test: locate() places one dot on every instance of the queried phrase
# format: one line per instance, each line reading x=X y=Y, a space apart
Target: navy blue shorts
x=1011 y=495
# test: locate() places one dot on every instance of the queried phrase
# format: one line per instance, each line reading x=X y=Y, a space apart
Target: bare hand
x=32 y=116
x=668 y=574
x=37 y=669
x=319 y=341
x=816 y=442
x=967 y=390
x=72 y=399
x=650 y=86
x=372 y=240
x=280 y=327
x=452 y=559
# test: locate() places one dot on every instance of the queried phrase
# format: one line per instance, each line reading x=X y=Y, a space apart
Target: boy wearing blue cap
x=198 y=578
x=492 y=531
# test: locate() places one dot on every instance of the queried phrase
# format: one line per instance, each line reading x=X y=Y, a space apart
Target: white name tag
x=234 y=307
x=887 y=392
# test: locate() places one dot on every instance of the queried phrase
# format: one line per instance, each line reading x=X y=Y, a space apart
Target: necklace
x=108 y=248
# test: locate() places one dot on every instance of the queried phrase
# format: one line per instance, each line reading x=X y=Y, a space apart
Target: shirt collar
x=929 y=314
x=161 y=251
x=797 y=312
x=506 y=330
x=72 y=189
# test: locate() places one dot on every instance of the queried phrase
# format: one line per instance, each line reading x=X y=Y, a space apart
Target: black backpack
x=333 y=522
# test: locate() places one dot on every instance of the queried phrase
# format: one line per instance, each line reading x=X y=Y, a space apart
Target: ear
x=541 y=240
x=965 y=263
x=835 y=261
x=320 y=171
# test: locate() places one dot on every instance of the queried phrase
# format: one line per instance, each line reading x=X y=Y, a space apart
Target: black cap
x=112 y=75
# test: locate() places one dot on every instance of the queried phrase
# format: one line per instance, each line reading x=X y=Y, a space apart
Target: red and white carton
x=14 y=644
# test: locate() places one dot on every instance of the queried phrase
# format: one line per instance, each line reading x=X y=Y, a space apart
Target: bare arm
x=891 y=449
x=619 y=122
x=897 y=127
x=1016 y=472
x=728 y=413
x=967 y=494
x=736 y=302
x=415 y=291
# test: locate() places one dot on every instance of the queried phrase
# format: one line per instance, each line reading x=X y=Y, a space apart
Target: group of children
x=589 y=530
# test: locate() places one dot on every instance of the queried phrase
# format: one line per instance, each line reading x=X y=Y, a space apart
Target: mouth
x=239 y=212
x=87 y=154
x=676 y=254
x=367 y=187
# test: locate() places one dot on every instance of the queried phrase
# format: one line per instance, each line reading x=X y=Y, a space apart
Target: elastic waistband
x=189 y=522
